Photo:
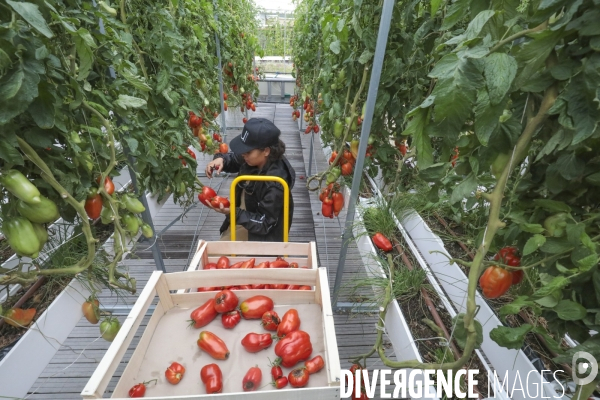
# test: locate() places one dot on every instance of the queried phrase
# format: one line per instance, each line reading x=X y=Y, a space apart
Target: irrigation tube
x=382 y=36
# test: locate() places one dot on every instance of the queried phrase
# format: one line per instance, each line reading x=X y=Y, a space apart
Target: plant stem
x=517 y=35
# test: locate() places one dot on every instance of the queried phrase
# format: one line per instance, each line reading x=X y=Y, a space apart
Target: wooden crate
x=166 y=337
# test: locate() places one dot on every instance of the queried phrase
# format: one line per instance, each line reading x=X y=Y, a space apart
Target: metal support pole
x=310 y=157
x=223 y=122
x=146 y=216
x=384 y=29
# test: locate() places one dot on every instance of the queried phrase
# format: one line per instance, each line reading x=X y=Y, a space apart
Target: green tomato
x=106 y=215
x=109 y=328
x=130 y=223
x=133 y=205
x=41 y=233
x=147 y=231
x=18 y=184
x=556 y=224
x=371 y=139
x=338 y=129
x=44 y=212
x=21 y=236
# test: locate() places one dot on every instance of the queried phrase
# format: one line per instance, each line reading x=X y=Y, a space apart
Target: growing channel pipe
x=382 y=36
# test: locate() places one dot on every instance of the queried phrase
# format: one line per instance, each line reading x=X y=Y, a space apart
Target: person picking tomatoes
x=257 y=151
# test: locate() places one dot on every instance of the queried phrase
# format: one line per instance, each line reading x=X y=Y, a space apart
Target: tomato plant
x=498 y=128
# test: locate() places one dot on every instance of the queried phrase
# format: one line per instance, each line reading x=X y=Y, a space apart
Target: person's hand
x=214 y=165
x=220 y=209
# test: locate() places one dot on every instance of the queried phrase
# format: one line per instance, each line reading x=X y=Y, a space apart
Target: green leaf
x=41 y=53
x=570 y=311
x=550 y=342
x=166 y=53
x=532 y=228
x=464 y=189
x=422 y=142
x=593 y=179
x=477 y=23
x=591 y=346
x=456 y=12
x=433 y=172
x=335 y=47
x=533 y=54
x=87 y=37
x=132 y=143
x=515 y=307
x=31 y=13
x=460 y=332
x=8 y=149
x=556 y=284
x=550 y=145
x=10 y=84
x=18 y=103
x=555 y=246
x=136 y=81
x=86 y=58
x=511 y=338
x=435 y=5
x=570 y=166
x=365 y=56
x=42 y=108
x=552 y=205
x=126 y=102
x=581 y=107
x=551 y=300
x=587 y=263
x=500 y=70
x=340 y=25
x=534 y=243
x=486 y=117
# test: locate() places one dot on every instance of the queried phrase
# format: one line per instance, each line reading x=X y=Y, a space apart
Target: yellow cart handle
x=263 y=178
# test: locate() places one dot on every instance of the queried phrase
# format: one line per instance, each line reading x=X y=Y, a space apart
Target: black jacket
x=263 y=216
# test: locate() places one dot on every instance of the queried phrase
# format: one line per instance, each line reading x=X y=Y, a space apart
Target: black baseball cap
x=258 y=133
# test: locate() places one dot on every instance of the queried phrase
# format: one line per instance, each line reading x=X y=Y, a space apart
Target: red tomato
x=278 y=286
x=289 y=322
x=244 y=120
x=327 y=210
x=517 y=277
x=252 y=379
x=270 y=320
x=299 y=377
x=90 y=310
x=212 y=377
x=256 y=306
x=338 y=203
x=248 y=264
x=382 y=242
x=236 y=265
x=208 y=289
x=231 y=319
x=276 y=372
x=223 y=148
x=206 y=194
x=495 y=281
x=93 y=205
x=347 y=169
x=225 y=301
x=191 y=153
x=204 y=314
x=293 y=287
x=280 y=383
x=218 y=200
x=211 y=266
x=264 y=264
x=279 y=263
x=139 y=390
x=109 y=186
x=293 y=265
x=223 y=263
x=305 y=287
x=255 y=342
x=314 y=365
x=174 y=373
x=213 y=345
